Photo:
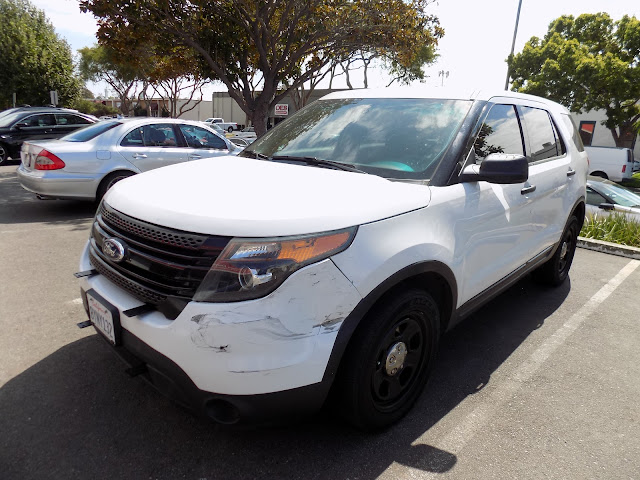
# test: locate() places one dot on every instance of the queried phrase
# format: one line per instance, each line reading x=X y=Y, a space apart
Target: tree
x=103 y=64
x=586 y=63
x=240 y=41
x=34 y=59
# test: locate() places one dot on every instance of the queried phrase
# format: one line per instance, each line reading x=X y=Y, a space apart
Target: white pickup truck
x=615 y=164
x=228 y=126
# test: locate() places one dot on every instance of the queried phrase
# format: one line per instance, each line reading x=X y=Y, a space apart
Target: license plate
x=104 y=317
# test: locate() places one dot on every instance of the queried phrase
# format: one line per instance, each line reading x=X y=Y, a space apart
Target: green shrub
x=615 y=228
x=92 y=108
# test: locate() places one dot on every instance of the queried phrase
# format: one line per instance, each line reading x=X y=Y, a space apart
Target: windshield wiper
x=254 y=154
x=318 y=162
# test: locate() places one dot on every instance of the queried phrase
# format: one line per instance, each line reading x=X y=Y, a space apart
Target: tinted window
x=197 y=137
x=84 y=134
x=133 y=138
x=71 y=119
x=41 y=120
x=594 y=198
x=542 y=138
x=499 y=133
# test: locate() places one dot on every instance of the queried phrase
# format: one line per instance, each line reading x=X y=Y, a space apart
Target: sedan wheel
x=3 y=154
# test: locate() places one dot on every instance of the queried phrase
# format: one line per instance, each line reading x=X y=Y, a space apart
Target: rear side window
x=499 y=133
x=84 y=134
x=543 y=139
x=575 y=134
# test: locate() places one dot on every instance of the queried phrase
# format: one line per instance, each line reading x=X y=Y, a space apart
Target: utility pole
x=513 y=45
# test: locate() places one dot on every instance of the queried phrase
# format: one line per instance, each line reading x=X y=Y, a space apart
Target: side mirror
x=607 y=206
x=499 y=168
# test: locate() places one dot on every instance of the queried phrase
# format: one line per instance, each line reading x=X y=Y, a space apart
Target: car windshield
x=619 y=195
x=90 y=132
x=10 y=118
x=395 y=138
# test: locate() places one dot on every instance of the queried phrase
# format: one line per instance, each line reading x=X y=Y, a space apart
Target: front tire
x=555 y=271
x=389 y=359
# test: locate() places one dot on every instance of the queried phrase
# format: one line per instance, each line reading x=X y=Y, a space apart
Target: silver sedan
x=86 y=163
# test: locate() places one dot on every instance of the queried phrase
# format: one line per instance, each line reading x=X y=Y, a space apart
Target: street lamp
x=443 y=74
x=513 y=45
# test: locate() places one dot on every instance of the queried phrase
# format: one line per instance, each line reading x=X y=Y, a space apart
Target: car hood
x=238 y=196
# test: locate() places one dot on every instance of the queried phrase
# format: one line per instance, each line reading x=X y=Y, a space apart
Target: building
x=595 y=134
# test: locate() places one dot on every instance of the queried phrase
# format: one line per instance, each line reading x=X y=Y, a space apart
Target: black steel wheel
x=555 y=271
x=388 y=360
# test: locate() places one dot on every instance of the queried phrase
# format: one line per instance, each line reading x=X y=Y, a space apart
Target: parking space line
x=456 y=439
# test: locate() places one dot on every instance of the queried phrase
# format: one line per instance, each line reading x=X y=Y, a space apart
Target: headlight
x=252 y=268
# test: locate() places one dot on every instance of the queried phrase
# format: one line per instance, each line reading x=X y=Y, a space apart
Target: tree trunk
x=626 y=138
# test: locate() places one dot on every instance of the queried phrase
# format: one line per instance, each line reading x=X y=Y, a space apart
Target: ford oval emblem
x=114 y=249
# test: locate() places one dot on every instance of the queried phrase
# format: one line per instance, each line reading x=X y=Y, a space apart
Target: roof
x=423 y=91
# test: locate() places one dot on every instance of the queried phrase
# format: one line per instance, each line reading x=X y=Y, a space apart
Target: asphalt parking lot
x=540 y=383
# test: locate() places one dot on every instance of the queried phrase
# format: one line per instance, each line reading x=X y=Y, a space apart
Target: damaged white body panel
x=278 y=342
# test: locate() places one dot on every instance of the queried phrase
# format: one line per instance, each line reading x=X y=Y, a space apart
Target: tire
x=109 y=181
x=4 y=154
x=372 y=391
x=555 y=271
x=230 y=129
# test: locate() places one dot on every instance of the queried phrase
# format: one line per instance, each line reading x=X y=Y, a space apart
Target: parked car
x=610 y=162
x=228 y=126
x=248 y=134
x=36 y=123
x=605 y=197
x=333 y=252
x=86 y=163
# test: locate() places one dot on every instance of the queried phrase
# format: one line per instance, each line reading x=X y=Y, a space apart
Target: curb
x=608 y=247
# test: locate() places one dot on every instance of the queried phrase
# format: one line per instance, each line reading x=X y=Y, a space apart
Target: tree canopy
x=277 y=45
x=586 y=63
x=34 y=59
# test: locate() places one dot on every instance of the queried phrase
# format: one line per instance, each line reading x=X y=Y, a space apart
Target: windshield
x=90 y=132
x=394 y=138
x=7 y=119
x=619 y=195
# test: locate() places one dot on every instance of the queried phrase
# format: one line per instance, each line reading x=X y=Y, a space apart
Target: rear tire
x=388 y=360
x=3 y=153
x=109 y=181
x=556 y=269
x=230 y=129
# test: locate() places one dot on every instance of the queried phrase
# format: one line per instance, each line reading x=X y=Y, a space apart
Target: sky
x=478 y=34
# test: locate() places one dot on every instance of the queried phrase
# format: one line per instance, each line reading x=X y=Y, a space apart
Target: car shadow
x=75 y=414
x=17 y=206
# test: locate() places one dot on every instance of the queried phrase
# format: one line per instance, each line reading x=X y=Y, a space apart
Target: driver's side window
x=499 y=133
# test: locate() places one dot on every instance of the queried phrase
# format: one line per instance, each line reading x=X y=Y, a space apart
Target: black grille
x=160 y=262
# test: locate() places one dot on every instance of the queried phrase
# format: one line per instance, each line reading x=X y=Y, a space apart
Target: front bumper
x=55 y=184
x=257 y=356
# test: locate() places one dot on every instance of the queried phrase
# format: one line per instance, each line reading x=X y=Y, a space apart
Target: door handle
x=195 y=156
x=139 y=155
x=529 y=189
x=571 y=172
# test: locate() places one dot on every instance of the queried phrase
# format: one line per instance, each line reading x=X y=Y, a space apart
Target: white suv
x=334 y=252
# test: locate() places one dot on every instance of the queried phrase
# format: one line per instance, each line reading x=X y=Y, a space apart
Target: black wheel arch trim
x=352 y=321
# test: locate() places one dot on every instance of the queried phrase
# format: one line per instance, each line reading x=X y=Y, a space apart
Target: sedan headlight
x=252 y=268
